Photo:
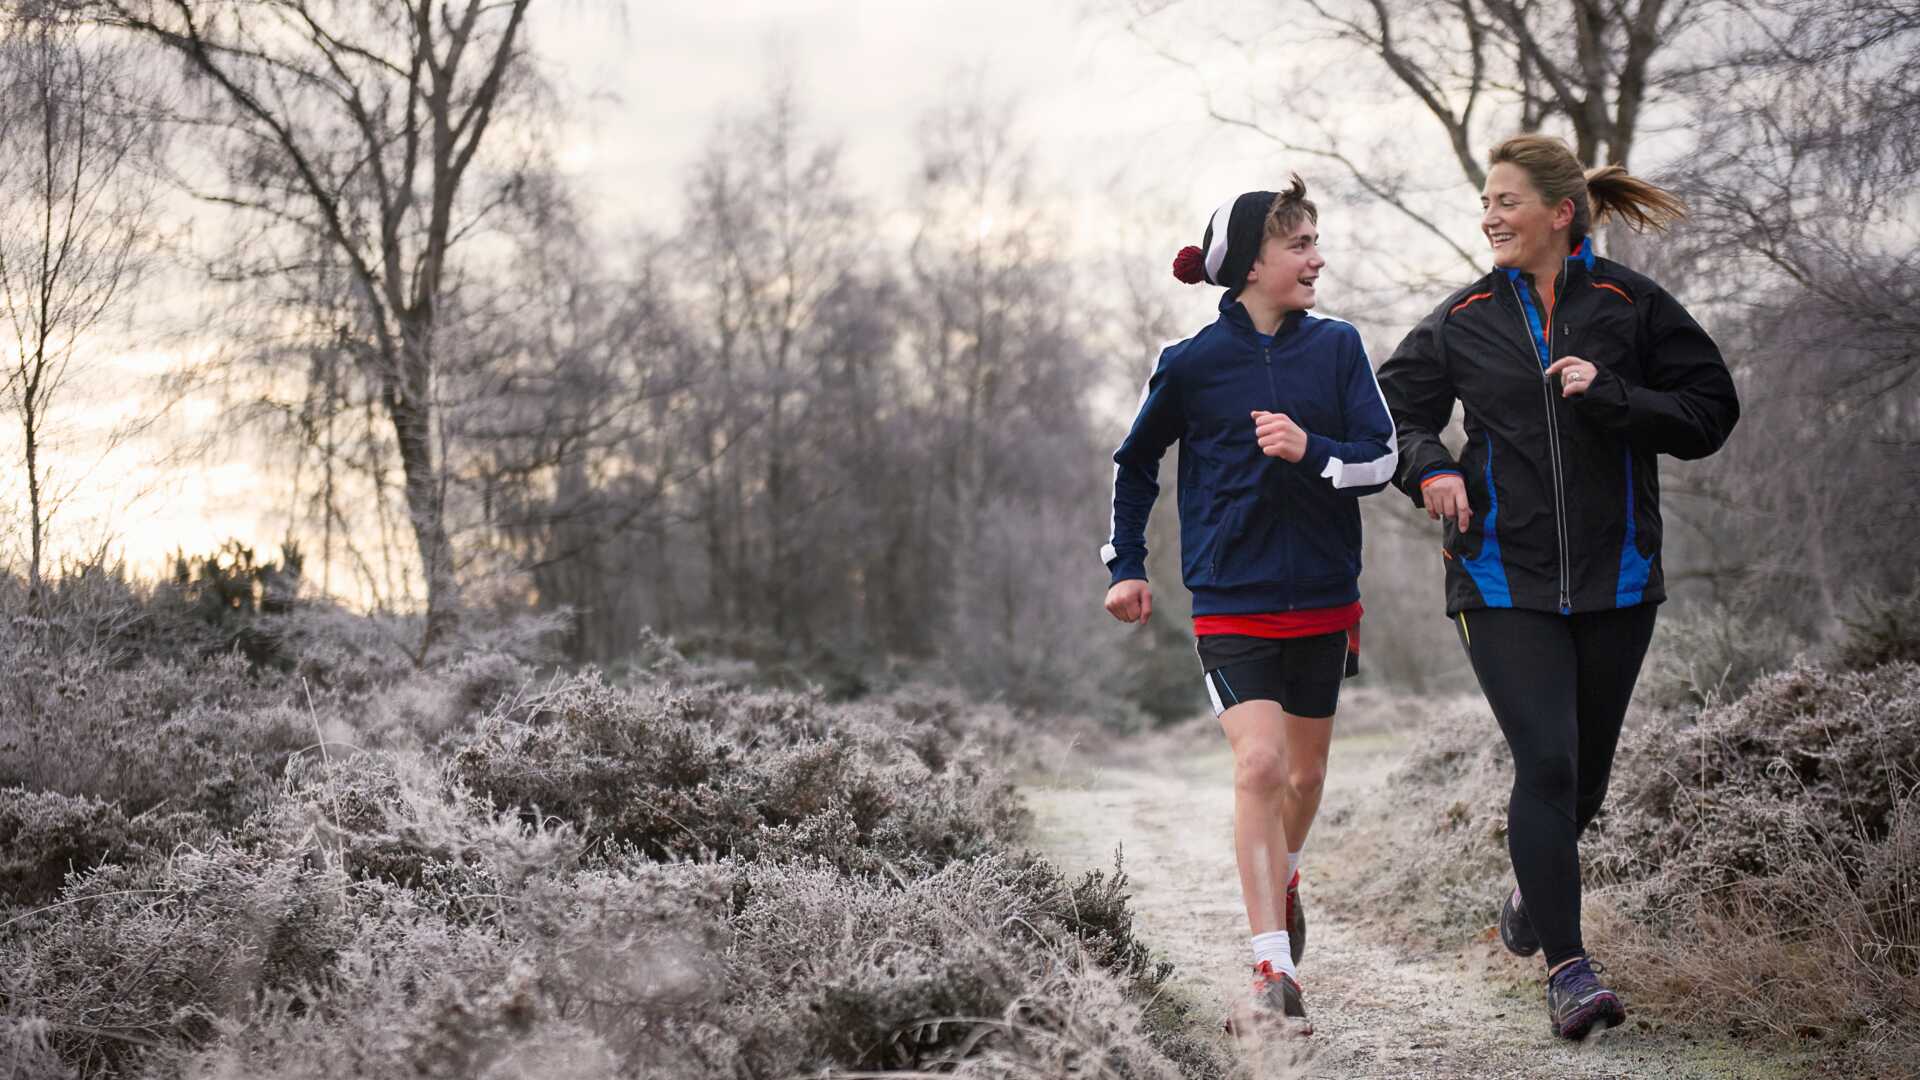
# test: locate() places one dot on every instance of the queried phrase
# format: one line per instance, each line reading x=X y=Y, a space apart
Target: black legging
x=1559 y=686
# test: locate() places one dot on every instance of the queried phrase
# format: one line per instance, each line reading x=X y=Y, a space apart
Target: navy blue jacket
x=1258 y=534
x=1565 y=491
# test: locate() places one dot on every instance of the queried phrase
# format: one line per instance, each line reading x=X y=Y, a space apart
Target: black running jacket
x=1565 y=491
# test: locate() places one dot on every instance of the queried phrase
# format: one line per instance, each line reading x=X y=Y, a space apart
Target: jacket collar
x=1234 y=314
x=1582 y=257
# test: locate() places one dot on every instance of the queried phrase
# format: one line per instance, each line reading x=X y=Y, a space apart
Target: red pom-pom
x=1190 y=265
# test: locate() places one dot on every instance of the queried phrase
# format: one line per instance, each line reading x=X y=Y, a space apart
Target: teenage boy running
x=1281 y=428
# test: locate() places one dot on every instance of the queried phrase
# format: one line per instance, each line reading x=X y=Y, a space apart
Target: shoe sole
x=1296 y=1022
x=1290 y=1026
x=1290 y=1022
x=1604 y=1010
x=1517 y=948
x=1296 y=923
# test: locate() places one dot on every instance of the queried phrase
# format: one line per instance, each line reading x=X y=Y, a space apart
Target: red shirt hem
x=1284 y=624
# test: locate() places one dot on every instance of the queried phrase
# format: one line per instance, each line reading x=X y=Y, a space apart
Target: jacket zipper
x=1553 y=437
x=1273 y=392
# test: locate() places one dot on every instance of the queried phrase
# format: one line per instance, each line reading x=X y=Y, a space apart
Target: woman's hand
x=1576 y=375
x=1279 y=436
x=1445 y=496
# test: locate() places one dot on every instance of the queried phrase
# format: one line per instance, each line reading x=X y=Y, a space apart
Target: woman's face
x=1519 y=224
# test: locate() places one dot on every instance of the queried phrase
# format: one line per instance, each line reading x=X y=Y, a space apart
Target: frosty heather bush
x=1883 y=630
x=681 y=773
x=1711 y=655
x=1825 y=945
x=144 y=960
x=317 y=857
x=44 y=835
x=1768 y=852
x=858 y=973
x=411 y=995
x=1730 y=795
x=206 y=738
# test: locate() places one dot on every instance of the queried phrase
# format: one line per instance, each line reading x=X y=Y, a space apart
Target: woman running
x=1575 y=373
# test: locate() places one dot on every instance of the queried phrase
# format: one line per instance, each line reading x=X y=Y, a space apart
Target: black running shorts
x=1302 y=674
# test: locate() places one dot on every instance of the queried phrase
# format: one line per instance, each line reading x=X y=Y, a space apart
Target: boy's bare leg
x=1307 y=743
x=1257 y=733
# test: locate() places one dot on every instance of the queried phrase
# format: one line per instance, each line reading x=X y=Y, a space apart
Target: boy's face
x=1288 y=268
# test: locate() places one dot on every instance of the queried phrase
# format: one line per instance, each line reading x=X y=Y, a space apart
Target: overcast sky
x=1105 y=114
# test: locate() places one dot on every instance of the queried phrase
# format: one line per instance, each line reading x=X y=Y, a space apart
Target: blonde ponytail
x=1598 y=194
x=1617 y=193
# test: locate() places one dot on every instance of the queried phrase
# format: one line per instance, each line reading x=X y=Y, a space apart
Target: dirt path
x=1463 y=1009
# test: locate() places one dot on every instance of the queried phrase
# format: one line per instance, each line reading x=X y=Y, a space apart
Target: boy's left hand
x=1279 y=436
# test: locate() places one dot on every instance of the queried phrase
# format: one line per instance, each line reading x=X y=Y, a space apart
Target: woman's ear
x=1563 y=215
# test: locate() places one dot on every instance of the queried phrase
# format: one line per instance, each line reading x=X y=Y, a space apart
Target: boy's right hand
x=1446 y=497
x=1130 y=601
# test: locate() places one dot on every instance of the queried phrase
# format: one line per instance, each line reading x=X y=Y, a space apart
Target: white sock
x=1273 y=948
x=1293 y=864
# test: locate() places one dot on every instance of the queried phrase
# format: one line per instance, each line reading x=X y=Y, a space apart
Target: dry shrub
x=1882 y=630
x=1827 y=946
x=1769 y=855
x=205 y=737
x=1075 y=1021
x=411 y=995
x=1712 y=654
x=322 y=860
x=139 y=963
x=26 y=1049
x=379 y=818
x=859 y=973
x=45 y=835
x=1737 y=793
x=681 y=773
x=687 y=971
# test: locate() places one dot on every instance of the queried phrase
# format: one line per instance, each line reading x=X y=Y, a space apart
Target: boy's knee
x=1259 y=770
x=1306 y=778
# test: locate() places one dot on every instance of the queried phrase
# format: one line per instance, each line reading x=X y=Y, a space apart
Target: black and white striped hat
x=1230 y=245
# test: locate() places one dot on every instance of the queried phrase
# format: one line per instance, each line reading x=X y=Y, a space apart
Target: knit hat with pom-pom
x=1231 y=243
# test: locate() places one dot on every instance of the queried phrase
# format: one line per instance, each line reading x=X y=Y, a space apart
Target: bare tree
x=1476 y=69
x=1802 y=194
x=76 y=194
x=1001 y=357
x=774 y=233
x=354 y=142
x=566 y=445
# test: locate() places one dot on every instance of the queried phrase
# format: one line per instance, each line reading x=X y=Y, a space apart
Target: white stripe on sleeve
x=1379 y=470
x=1107 y=551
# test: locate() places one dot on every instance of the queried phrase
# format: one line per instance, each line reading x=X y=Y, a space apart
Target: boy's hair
x=1290 y=208
x=1238 y=229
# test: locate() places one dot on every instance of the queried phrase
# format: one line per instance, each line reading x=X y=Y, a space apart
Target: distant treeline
x=866 y=437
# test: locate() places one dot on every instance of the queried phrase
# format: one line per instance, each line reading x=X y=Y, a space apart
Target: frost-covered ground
x=1404 y=871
